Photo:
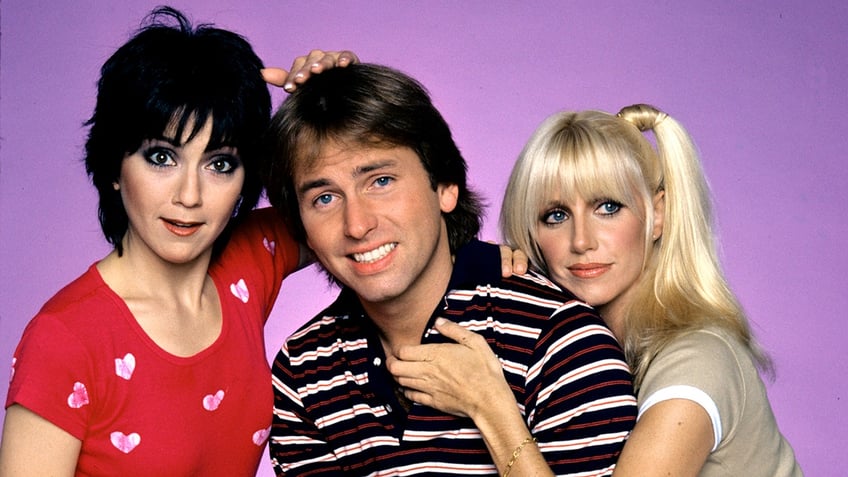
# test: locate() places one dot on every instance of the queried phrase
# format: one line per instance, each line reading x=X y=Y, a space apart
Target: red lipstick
x=588 y=270
x=181 y=229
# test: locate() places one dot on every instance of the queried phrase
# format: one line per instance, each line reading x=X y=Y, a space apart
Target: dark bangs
x=167 y=78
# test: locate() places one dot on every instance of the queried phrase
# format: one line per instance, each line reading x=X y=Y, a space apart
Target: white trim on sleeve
x=690 y=393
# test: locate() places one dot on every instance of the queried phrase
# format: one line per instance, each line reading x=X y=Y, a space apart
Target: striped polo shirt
x=336 y=408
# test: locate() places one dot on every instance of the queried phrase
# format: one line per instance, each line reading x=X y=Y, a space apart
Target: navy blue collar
x=475 y=262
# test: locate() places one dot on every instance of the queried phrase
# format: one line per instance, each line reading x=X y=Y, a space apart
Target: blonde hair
x=595 y=154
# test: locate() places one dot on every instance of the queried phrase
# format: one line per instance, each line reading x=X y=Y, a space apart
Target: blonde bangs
x=577 y=164
x=574 y=156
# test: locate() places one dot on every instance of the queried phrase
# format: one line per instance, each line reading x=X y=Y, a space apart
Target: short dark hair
x=170 y=74
x=373 y=106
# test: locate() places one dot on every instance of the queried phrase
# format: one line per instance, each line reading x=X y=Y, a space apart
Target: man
x=368 y=175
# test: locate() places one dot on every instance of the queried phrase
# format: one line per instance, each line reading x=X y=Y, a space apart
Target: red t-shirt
x=86 y=365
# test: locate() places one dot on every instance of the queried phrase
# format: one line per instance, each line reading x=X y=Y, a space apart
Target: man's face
x=375 y=223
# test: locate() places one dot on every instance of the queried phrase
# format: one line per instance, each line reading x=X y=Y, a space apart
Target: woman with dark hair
x=153 y=361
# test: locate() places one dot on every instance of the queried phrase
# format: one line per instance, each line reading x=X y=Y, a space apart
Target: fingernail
x=440 y=321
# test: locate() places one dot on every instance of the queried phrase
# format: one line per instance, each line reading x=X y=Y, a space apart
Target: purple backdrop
x=760 y=84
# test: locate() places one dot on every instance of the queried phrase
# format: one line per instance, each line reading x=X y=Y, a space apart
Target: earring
x=116 y=186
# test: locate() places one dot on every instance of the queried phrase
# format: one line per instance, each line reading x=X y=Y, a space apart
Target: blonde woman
x=627 y=227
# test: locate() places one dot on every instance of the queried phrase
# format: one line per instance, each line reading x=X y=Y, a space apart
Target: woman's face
x=178 y=195
x=595 y=248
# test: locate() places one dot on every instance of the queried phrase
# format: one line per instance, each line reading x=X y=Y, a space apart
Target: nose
x=582 y=235
x=188 y=193
x=359 y=218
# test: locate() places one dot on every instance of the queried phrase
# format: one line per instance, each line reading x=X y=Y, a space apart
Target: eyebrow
x=359 y=171
x=225 y=148
x=170 y=140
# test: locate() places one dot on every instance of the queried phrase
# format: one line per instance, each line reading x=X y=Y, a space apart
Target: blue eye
x=554 y=217
x=324 y=199
x=383 y=181
x=609 y=207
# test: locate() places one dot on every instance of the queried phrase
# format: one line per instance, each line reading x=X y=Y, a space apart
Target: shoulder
x=81 y=303
x=263 y=236
x=710 y=348
x=695 y=357
x=327 y=327
x=477 y=272
x=532 y=295
x=60 y=348
x=708 y=362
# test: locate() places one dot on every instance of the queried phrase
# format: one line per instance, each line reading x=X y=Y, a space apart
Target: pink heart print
x=212 y=401
x=270 y=245
x=79 y=397
x=12 y=374
x=125 y=366
x=240 y=290
x=125 y=443
x=260 y=436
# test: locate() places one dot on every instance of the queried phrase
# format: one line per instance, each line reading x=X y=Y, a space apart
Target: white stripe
x=329 y=384
x=324 y=321
x=566 y=341
x=577 y=444
x=436 y=467
x=327 y=351
x=295 y=439
x=287 y=467
x=359 y=409
x=519 y=369
x=562 y=419
x=285 y=390
x=690 y=393
x=540 y=279
x=510 y=329
x=284 y=415
x=512 y=295
x=582 y=372
x=376 y=441
x=466 y=433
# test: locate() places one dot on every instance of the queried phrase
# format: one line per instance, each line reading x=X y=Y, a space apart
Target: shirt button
x=388 y=408
x=378 y=361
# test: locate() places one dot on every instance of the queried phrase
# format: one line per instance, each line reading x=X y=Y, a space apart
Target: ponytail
x=683 y=287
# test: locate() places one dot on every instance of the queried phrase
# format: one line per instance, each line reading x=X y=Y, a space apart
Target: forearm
x=510 y=443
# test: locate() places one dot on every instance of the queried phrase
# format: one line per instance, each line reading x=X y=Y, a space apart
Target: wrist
x=516 y=453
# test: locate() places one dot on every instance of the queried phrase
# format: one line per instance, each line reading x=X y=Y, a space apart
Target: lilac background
x=760 y=84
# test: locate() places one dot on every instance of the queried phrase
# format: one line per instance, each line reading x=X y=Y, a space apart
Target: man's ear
x=448 y=197
x=659 y=215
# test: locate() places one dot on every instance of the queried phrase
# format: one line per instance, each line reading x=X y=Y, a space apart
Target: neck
x=403 y=320
x=149 y=277
x=402 y=325
x=616 y=312
x=613 y=316
x=176 y=305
